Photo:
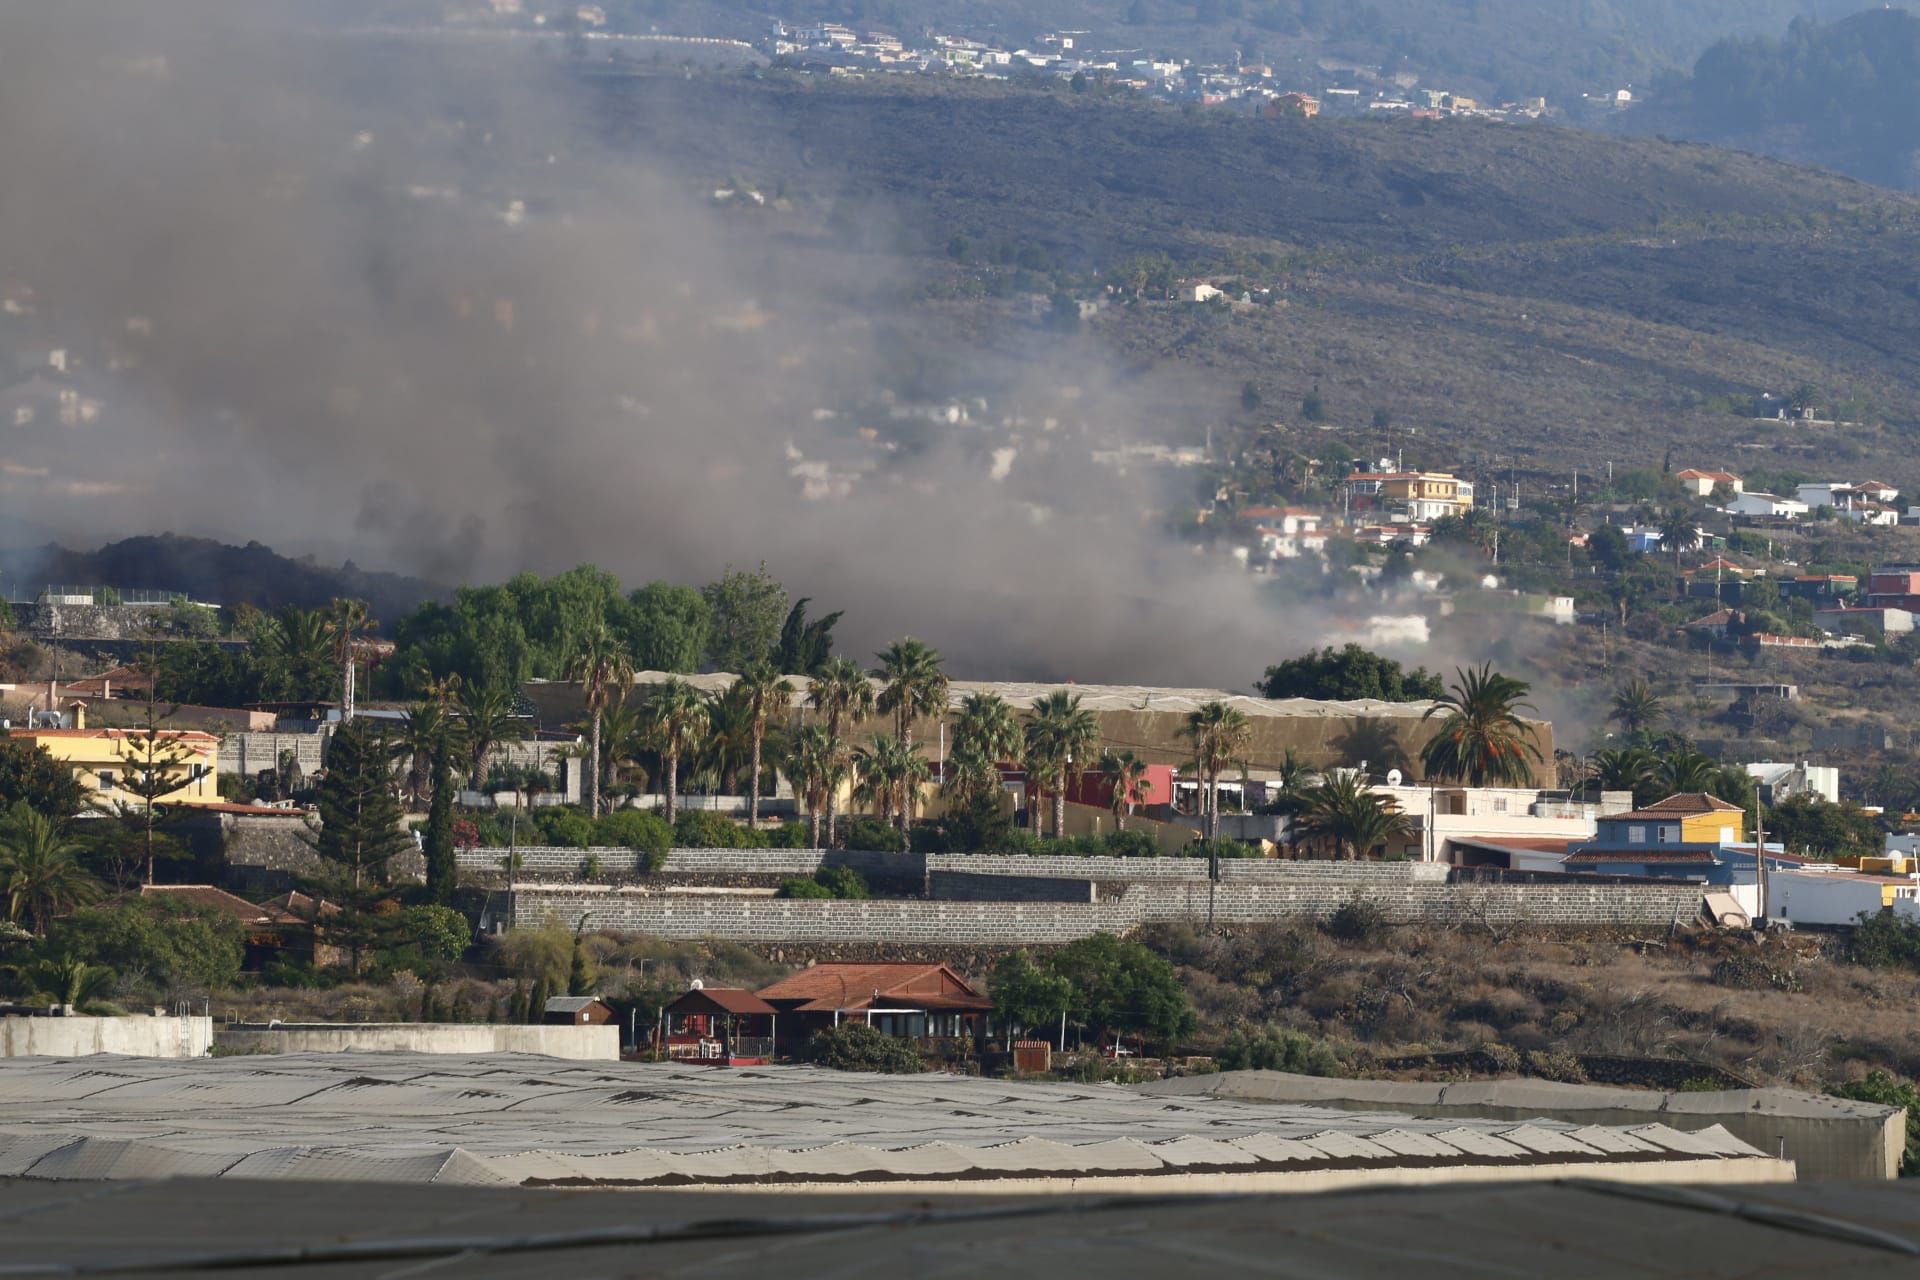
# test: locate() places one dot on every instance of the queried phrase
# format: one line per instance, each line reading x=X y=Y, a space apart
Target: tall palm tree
x=843 y=696
x=890 y=772
x=40 y=871
x=428 y=732
x=817 y=763
x=986 y=725
x=347 y=624
x=1481 y=739
x=1636 y=707
x=726 y=748
x=487 y=719
x=914 y=684
x=766 y=693
x=624 y=746
x=1061 y=733
x=71 y=981
x=1218 y=734
x=1126 y=776
x=1679 y=531
x=972 y=776
x=604 y=670
x=677 y=714
x=1344 y=811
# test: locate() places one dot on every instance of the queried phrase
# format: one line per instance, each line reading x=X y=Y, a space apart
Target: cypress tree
x=579 y=973
x=442 y=870
x=537 y=1007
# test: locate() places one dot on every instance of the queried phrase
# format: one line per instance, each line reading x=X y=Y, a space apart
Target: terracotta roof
x=209 y=897
x=185 y=735
x=1683 y=805
x=726 y=999
x=119 y=677
x=302 y=906
x=827 y=987
x=252 y=810
x=1692 y=474
x=1718 y=618
x=572 y=1004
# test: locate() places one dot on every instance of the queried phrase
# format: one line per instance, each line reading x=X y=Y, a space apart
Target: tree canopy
x=1346 y=674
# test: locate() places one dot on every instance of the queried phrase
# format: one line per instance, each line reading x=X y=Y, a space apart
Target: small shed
x=577 y=1011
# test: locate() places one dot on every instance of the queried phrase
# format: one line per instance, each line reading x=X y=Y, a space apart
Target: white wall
x=1821 y=897
x=597 y=1044
x=135 y=1037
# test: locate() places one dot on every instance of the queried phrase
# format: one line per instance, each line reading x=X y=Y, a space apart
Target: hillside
x=1567 y=296
x=216 y=572
x=1841 y=95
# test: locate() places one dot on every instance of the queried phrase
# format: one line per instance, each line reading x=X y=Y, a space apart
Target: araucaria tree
x=359 y=816
x=604 y=671
x=766 y=693
x=676 y=716
x=842 y=694
x=155 y=764
x=1481 y=739
x=1060 y=734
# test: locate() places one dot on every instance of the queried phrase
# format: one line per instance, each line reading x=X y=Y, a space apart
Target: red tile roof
x=184 y=735
x=209 y=897
x=1685 y=804
x=827 y=987
x=1649 y=855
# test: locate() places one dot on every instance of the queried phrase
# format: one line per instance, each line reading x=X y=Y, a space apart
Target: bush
x=564 y=828
x=1278 y=1049
x=1553 y=1065
x=1755 y=973
x=1880 y=941
x=790 y=835
x=802 y=887
x=437 y=933
x=870 y=833
x=856 y=1046
x=1503 y=1058
x=1359 y=920
x=842 y=882
x=1891 y=1091
x=704 y=829
x=645 y=833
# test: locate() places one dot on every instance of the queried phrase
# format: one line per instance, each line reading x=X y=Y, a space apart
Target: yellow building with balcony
x=103 y=761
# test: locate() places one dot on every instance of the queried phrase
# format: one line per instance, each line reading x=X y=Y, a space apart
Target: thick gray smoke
x=396 y=299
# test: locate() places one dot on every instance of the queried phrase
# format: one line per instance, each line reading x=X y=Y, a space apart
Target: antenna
x=697 y=985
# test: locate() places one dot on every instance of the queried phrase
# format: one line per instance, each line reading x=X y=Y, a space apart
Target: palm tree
x=767 y=693
x=40 y=871
x=727 y=748
x=71 y=981
x=624 y=748
x=972 y=775
x=296 y=653
x=1218 y=733
x=817 y=764
x=1686 y=768
x=487 y=719
x=1061 y=732
x=1625 y=769
x=603 y=670
x=1125 y=775
x=427 y=732
x=891 y=772
x=347 y=624
x=1481 y=739
x=1636 y=707
x=843 y=695
x=1343 y=810
x=676 y=716
x=914 y=684
x=1679 y=531
x=986 y=725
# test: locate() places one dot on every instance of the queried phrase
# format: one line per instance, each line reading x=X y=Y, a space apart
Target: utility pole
x=1759 y=854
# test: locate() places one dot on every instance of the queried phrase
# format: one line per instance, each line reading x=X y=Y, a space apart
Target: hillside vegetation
x=1570 y=296
x=1842 y=95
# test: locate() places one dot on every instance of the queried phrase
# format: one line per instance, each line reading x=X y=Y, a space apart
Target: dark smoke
x=396 y=299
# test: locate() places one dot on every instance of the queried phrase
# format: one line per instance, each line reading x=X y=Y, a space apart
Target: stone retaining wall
x=966 y=886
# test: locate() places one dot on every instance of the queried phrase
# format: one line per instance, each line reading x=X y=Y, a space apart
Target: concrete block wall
x=134 y=1037
x=249 y=753
x=582 y=1043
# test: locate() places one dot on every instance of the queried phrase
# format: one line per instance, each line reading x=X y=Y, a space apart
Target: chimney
x=79 y=715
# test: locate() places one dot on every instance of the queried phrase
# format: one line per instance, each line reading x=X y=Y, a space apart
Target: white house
x=1782 y=781
x=1197 y=291
x=1816 y=895
x=1766 y=505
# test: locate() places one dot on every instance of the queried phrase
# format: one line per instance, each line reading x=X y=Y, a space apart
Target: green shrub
x=564 y=827
x=1891 y=1091
x=870 y=833
x=704 y=829
x=1881 y=941
x=645 y=833
x=1278 y=1049
x=790 y=835
x=855 y=1046
x=803 y=887
x=842 y=882
x=1555 y=1065
x=1358 y=920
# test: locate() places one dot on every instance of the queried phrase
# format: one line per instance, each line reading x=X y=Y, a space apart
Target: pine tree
x=442 y=870
x=359 y=816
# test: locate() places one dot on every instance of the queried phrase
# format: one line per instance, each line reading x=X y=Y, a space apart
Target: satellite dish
x=699 y=985
x=1393 y=777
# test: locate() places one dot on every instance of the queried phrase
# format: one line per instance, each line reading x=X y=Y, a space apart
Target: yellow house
x=1428 y=495
x=103 y=759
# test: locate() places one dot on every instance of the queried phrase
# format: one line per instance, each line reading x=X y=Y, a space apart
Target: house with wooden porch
x=913 y=1001
x=720 y=1026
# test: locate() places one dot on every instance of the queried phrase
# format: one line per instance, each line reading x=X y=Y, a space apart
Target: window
x=105 y=777
x=1636 y=835
x=1663 y=835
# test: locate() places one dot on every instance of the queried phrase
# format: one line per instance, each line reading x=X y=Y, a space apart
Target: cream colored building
x=102 y=760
